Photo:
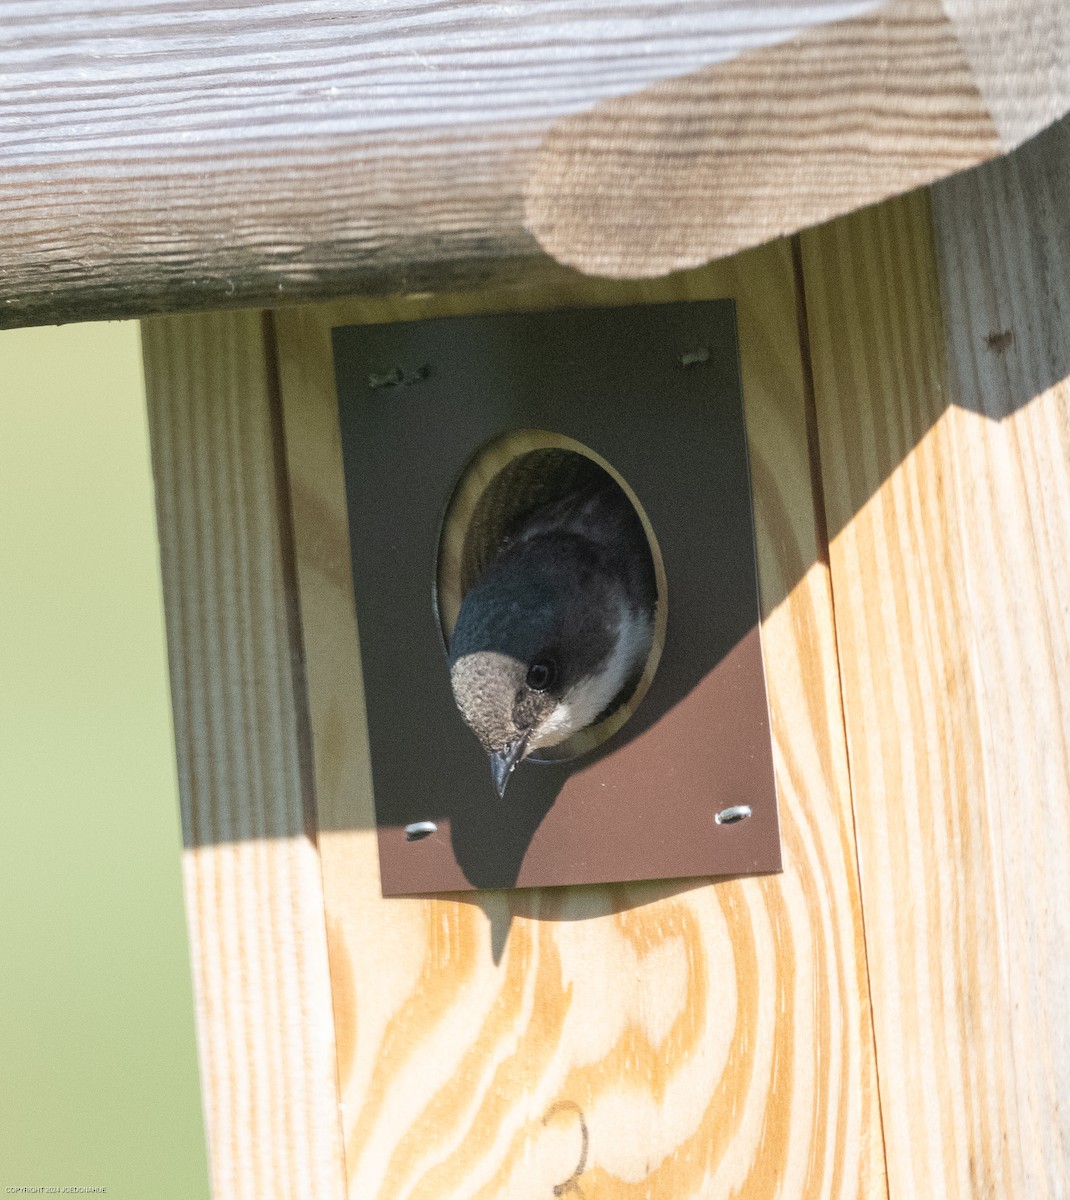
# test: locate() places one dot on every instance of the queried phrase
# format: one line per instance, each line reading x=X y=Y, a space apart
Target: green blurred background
x=98 y=1068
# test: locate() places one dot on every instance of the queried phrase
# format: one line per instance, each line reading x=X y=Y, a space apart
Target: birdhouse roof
x=160 y=154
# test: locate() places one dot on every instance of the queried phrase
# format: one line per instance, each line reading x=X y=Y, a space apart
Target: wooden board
x=1003 y=244
x=254 y=897
x=653 y=1040
x=163 y=155
x=947 y=499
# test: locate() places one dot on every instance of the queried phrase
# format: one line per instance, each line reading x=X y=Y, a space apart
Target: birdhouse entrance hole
x=507 y=478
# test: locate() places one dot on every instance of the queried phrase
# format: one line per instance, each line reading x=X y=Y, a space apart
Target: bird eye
x=541 y=675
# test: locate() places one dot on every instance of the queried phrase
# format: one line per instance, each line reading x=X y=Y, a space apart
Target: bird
x=555 y=632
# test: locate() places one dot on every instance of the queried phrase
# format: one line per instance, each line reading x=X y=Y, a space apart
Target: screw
x=418 y=830
x=397 y=377
x=730 y=816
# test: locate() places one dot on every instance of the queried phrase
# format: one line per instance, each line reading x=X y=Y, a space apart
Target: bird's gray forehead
x=486 y=672
x=485 y=684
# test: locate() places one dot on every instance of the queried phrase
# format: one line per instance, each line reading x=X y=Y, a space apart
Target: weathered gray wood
x=164 y=154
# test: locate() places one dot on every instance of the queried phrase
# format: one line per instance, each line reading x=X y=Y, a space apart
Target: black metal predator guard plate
x=655 y=390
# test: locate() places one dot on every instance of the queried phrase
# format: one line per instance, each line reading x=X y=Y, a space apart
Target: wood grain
x=1020 y=61
x=655 y=1041
x=254 y=896
x=838 y=117
x=1003 y=244
x=160 y=155
x=949 y=536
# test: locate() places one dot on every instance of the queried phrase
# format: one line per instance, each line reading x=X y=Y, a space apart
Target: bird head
x=543 y=644
x=508 y=703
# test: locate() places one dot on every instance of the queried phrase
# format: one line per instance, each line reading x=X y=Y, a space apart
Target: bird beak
x=502 y=763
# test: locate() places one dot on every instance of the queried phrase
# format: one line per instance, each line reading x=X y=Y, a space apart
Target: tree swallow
x=556 y=630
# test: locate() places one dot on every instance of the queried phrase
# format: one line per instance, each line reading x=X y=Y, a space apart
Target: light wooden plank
x=163 y=154
x=254 y=895
x=1003 y=243
x=656 y=1041
x=958 y=759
